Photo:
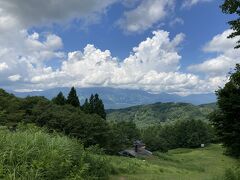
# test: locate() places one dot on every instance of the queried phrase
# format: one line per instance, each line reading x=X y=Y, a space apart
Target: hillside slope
x=180 y=164
x=146 y=115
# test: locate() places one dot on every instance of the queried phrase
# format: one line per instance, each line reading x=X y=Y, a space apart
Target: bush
x=120 y=136
x=231 y=174
x=181 y=134
x=31 y=153
x=155 y=140
x=192 y=133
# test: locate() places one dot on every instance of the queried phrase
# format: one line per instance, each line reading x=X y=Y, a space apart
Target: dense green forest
x=154 y=114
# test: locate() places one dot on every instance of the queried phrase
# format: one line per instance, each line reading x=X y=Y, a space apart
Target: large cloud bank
x=26 y=58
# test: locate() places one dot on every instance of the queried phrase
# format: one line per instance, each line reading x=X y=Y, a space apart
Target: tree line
x=65 y=115
x=92 y=106
x=188 y=133
x=88 y=124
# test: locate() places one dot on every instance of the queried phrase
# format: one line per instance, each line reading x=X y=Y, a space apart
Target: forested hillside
x=147 y=115
x=65 y=115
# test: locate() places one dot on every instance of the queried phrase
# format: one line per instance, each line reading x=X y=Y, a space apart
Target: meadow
x=180 y=164
x=32 y=153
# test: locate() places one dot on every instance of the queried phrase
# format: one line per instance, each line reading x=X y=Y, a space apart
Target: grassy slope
x=31 y=153
x=145 y=115
x=180 y=164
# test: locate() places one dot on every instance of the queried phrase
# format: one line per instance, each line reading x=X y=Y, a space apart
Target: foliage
x=226 y=118
x=10 y=109
x=91 y=129
x=31 y=153
x=181 y=134
x=59 y=99
x=113 y=137
x=72 y=98
x=32 y=106
x=193 y=133
x=233 y=7
x=158 y=113
x=121 y=136
x=155 y=140
x=232 y=174
x=86 y=106
x=94 y=106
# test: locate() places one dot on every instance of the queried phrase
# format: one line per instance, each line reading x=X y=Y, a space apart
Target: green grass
x=31 y=153
x=181 y=164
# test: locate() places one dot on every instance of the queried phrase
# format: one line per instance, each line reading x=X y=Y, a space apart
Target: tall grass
x=31 y=153
x=232 y=174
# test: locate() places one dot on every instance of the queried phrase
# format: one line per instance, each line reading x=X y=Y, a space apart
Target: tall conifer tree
x=73 y=98
x=96 y=106
x=91 y=104
x=85 y=106
x=59 y=99
x=99 y=107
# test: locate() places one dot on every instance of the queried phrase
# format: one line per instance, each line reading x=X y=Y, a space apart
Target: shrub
x=229 y=174
x=181 y=134
x=31 y=153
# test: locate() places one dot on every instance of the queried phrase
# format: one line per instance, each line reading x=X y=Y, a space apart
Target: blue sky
x=201 y=23
x=156 y=45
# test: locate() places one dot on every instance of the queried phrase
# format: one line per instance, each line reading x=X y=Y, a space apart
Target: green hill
x=146 y=115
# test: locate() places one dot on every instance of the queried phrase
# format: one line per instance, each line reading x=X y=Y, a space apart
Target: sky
x=170 y=46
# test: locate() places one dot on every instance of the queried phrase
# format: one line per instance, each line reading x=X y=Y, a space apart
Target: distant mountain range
x=153 y=114
x=121 y=98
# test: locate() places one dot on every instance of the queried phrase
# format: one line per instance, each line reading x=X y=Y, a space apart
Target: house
x=138 y=150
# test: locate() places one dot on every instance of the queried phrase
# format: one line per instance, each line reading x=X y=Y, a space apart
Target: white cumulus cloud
x=226 y=59
x=145 y=15
x=26 y=55
x=153 y=66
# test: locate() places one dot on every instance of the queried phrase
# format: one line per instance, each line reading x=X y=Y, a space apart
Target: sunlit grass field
x=181 y=164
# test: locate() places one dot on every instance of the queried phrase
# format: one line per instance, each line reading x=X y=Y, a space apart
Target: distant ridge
x=120 y=98
x=153 y=114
